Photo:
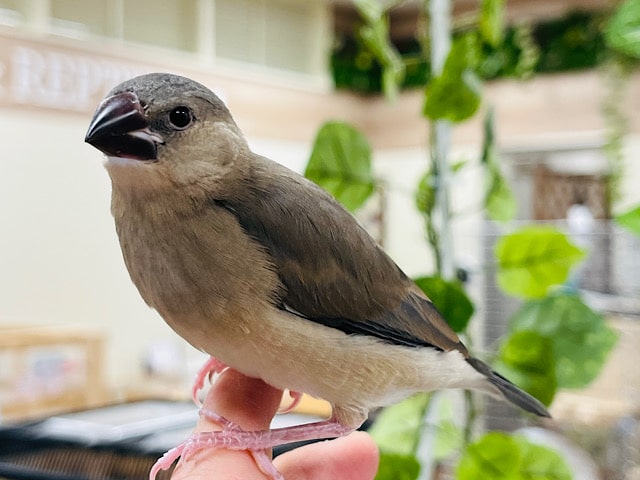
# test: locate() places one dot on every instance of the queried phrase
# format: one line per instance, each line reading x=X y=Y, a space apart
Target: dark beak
x=119 y=128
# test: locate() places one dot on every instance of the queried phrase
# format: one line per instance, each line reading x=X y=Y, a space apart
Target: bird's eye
x=180 y=117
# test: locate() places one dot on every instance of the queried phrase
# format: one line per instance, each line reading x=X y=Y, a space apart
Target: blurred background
x=74 y=333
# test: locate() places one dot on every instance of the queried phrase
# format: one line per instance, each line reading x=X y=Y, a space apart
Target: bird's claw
x=295 y=400
x=211 y=367
x=166 y=460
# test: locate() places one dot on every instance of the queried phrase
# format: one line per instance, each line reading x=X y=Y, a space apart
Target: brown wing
x=331 y=270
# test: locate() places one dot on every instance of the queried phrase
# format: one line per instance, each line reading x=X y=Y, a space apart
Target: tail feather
x=512 y=393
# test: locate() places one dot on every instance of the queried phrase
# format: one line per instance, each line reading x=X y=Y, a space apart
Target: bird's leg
x=262 y=457
x=295 y=400
x=233 y=437
x=211 y=367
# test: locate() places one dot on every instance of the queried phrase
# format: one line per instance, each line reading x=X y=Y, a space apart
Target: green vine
x=571 y=43
x=616 y=75
x=554 y=340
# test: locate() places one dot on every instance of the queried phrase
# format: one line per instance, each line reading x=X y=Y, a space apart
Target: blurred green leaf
x=370 y=10
x=499 y=201
x=450 y=299
x=426 y=194
x=492 y=21
x=527 y=359
x=529 y=55
x=528 y=350
x=448 y=439
x=494 y=456
x=623 y=30
x=630 y=220
x=455 y=94
x=448 y=436
x=580 y=337
x=398 y=428
x=341 y=164
x=397 y=467
x=533 y=259
x=374 y=34
x=499 y=456
x=541 y=463
x=453 y=98
x=488 y=138
x=458 y=165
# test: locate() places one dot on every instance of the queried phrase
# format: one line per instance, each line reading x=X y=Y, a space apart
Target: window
x=281 y=34
x=165 y=23
x=11 y=12
x=72 y=18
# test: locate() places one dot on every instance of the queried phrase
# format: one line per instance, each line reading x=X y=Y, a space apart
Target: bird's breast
x=199 y=270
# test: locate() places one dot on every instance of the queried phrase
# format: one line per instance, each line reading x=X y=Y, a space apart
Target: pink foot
x=265 y=464
x=166 y=460
x=295 y=400
x=233 y=437
x=211 y=367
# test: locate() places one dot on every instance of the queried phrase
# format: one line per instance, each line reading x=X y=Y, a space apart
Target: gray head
x=140 y=115
x=161 y=130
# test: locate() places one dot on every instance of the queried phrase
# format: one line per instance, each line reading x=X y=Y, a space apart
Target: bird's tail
x=512 y=393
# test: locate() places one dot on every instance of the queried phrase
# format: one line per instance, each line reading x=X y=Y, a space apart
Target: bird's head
x=170 y=129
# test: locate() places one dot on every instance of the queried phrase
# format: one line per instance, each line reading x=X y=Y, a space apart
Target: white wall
x=60 y=262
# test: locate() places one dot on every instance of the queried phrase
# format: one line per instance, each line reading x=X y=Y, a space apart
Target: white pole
x=440 y=36
x=440 y=33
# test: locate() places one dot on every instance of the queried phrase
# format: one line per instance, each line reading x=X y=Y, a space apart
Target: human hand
x=354 y=457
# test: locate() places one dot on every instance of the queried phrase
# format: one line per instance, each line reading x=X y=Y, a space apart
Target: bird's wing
x=331 y=270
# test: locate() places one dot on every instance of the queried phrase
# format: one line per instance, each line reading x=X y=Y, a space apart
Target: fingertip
x=208 y=464
x=354 y=457
x=361 y=443
x=362 y=447
x=247 y=402
x=366 y=441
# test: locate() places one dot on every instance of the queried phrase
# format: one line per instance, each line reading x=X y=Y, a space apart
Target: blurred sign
x=39 y=75
x=64 y=75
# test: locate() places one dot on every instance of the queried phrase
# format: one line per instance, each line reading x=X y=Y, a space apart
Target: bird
x=264 y=270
